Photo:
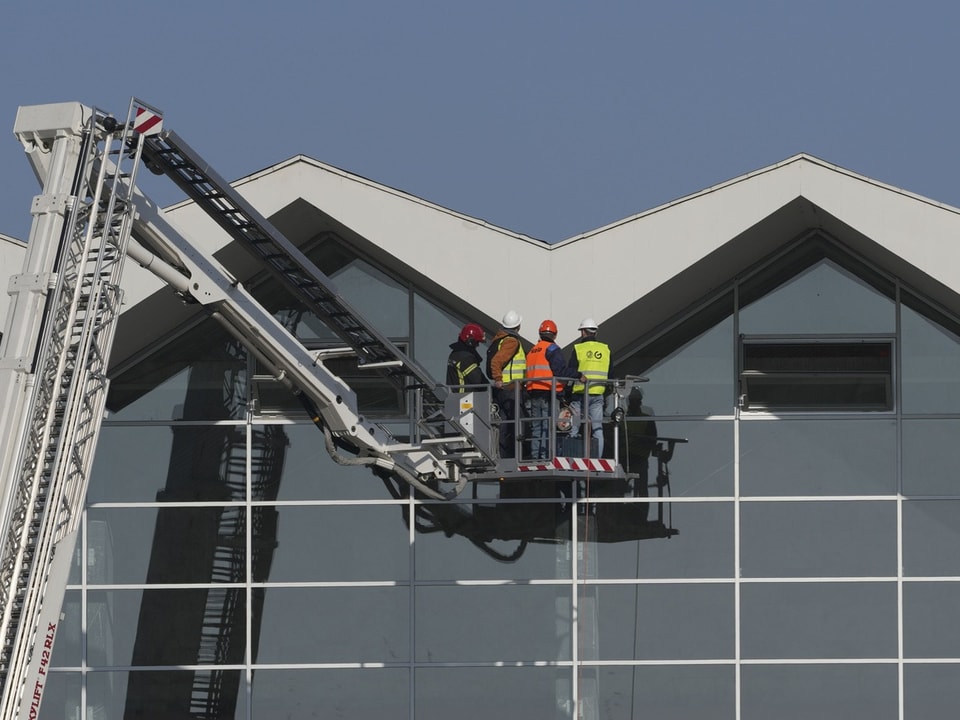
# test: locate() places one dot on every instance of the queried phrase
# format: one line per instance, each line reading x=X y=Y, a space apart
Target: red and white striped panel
x=147 y=122
x=570 y=463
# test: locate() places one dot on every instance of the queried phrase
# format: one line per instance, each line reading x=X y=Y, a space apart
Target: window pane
x=695 y=378
x=819 y=620
x=169 y=464
x=511 y=623
x=67 y=647
x=336 y=543
x=818 y=457
x=674 y=692
x=169 y=694
x=818 y=538
x=484 y=692
x=930 y=372
x=61 y=697
x=931 y=691
x=931 y=537
x=309 y=473
x=494 y=540
x=165 y=627
x=702 y=547
x=137 y=545
x=825 y=692
x=701 y=467
x=657 y=622
x=326 y=625
x=930 y=628
x=343 y=694
x=931 y=455
x=200 y=375
x=434 y=330
x=824 y=298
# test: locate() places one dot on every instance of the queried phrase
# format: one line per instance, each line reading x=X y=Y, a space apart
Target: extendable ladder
x=166 y=152
x=43 y=504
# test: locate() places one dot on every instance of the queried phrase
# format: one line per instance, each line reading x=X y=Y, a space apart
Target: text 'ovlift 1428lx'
x=55 y=348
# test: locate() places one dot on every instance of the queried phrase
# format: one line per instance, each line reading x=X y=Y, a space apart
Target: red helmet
x=548 y=326
x=471 y=333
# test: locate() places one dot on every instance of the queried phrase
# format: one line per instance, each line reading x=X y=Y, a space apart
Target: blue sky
x=549 y=118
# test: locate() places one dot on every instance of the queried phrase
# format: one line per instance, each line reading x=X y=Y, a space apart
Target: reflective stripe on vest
x=539 y=367
x=593 y=360
x=462 y=374
x=516 y=367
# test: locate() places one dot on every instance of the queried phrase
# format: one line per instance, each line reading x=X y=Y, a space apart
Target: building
x=799 y=329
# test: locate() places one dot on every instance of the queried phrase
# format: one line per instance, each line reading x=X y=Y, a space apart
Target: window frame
x=814 y=378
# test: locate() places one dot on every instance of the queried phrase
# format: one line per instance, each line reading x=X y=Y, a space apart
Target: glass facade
x=803 y=564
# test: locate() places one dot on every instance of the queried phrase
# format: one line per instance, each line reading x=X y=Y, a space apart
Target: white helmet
x=511 y=320
x=588 y=324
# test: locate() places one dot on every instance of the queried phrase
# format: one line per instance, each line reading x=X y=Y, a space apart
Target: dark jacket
x=464 y=365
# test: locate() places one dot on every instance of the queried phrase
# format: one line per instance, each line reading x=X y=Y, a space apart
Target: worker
x=590 y=365
x=464 y=372
x=544 y=363
x=506 y=367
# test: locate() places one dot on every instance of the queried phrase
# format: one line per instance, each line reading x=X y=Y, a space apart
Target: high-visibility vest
x=593 y=361
x=538 y=367
x=515 y=368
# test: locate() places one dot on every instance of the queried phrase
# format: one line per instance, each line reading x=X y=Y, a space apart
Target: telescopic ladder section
x=65 y=412
x=166 y=152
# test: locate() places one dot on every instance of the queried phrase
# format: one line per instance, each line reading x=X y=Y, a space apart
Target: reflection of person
x=544 y=363
x=590 y=364
x=463 y=363
x=506 y=366
x=637 y=444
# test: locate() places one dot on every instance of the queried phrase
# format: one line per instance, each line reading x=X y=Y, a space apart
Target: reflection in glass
x=703 y=467
x=931 y=538
x=674 y=692
x=689 y=374
x=931 y=455
x=479 y=693
x=489 y=540
x=702 y=547
x=309 y=473
x=336 y=543
x=465 y=624
x=802 y=539
x=67 y=649
x=433 y=331
x=200 y=375
x=177 y=463
x=818 y=457
x=930 y=628
x=166 y=694
x=660 y=622
x=825 y=692
x=930 y=366
x=137 y=545
x=167 y=627
x=342 y=694
x=326 y=625
x=819 y=620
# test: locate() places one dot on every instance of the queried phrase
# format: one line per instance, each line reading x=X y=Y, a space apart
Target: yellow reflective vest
x=593 y=361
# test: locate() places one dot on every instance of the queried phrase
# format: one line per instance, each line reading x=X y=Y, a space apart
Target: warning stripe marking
x=147 y=122
x=569 y=463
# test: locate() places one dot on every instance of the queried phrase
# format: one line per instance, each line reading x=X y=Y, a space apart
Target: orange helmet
x=548 y=326
x=471 y=334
